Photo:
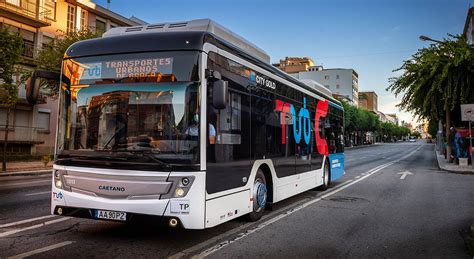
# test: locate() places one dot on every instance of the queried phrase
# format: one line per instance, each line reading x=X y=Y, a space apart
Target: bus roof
x=194 y=25
x=175 y=41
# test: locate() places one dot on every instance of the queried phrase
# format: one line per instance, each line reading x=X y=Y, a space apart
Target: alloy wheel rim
x=259 y=195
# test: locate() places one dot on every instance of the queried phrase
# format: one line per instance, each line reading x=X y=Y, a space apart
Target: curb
x=458 y=171
x=27 y=173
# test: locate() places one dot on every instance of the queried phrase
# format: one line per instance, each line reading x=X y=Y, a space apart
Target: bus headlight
x=179 y=192
x=185 y=181
x=180 y=188
x=58 y=178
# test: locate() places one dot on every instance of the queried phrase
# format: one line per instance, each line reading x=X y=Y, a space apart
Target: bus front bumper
x=188 y=211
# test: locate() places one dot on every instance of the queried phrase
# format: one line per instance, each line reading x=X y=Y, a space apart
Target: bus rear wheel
x=326 y=177
x=260 y=194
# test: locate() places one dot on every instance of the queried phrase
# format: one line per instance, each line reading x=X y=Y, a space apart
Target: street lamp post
x=426 y=38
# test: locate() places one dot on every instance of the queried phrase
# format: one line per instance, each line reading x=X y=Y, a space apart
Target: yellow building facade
x=32 y=128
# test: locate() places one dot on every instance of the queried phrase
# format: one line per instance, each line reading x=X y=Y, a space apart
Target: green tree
x=50 y=57
x=433 y=128
x=436 y=80
x=11 y=48
x=416 y=134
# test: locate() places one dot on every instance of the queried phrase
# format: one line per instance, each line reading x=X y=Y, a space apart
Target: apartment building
x=369 y=101
x=294 y=64
x=33 y=127
x=343 y=83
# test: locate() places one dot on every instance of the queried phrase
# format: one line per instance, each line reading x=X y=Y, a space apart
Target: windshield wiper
x=113 y=158
x=149 y=155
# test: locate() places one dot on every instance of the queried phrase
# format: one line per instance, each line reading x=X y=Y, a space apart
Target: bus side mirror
x=33 y=84
x=32 y=89
x=219 y=94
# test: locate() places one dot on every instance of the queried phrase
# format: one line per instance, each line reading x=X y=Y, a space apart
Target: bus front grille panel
x=117 y=186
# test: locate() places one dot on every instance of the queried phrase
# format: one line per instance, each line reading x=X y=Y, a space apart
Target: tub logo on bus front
x=302 y=129
x=111 y=188
x=57 y=196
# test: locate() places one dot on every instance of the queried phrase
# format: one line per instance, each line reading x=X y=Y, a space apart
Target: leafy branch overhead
x=437 y=78
x=49 y=58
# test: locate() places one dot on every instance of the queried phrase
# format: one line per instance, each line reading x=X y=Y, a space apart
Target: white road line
x=298 y=208
x=37 y=193
x=41 y=250
x=25 y=221
x=11 y=232
x=24 y=183
x=186 y=252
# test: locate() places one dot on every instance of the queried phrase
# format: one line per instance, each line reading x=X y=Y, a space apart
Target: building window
x=47 y=42
x=83 y=20
x=326 y=77
x=337 y=86
x=42 y=122
x=337 y=76
x=100 y=26
x=71 y=19
x=28 y=42
x=50 y=9
x=3 y=118
x=327 y=86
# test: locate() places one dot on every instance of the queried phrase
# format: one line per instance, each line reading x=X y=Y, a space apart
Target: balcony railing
x=18 y=134
x=31 y=10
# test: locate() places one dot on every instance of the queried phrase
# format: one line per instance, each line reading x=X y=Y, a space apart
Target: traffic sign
x=467 y=112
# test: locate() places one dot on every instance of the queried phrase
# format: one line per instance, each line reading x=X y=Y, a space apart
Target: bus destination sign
x=148 y=67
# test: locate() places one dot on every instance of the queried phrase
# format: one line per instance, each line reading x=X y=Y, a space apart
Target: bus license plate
x=112 y=215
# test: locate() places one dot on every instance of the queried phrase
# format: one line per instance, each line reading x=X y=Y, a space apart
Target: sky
x=373 y=37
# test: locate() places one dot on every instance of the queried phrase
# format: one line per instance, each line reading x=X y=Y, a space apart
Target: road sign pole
x=470 y=144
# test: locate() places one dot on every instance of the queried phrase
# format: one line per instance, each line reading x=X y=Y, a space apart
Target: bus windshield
x=131 y=119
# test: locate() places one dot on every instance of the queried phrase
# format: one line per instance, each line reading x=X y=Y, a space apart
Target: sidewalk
x=27 y=168
x=451 y=167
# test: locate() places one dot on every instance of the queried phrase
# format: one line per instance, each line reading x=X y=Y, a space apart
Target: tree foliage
x=437 y=78
x=49 y=58
x=361 y=120
x=433 y=128
x=11 y=47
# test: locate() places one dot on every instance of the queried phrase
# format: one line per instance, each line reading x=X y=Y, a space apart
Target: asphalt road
x=373 y=211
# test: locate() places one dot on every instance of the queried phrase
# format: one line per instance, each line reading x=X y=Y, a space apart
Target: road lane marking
x=404 y=174
x=41 y=250
x=16 y=223
x=11 y=232
x=23 y=183
x=298 y=208
x=37 y=193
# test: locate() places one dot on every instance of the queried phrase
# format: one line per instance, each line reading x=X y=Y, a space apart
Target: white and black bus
x=188 y=124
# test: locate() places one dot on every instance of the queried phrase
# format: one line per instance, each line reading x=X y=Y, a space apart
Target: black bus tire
x=260 y=195
x=326 y=177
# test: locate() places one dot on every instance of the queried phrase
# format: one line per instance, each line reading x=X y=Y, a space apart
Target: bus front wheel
x=260 y=194
x=326 y=177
